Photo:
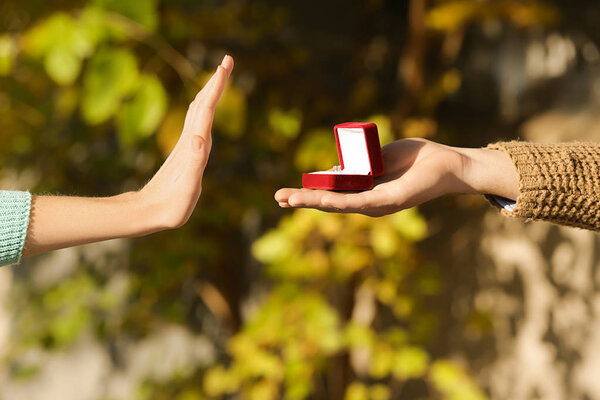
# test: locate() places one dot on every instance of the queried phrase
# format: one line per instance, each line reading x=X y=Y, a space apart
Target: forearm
x=58 y=221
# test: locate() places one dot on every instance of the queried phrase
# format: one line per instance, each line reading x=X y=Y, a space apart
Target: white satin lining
x=353 y=147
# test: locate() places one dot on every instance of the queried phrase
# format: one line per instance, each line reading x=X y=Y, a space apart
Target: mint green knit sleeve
x=14 y=220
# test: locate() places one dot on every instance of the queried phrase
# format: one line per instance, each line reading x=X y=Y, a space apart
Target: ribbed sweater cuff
x=14 y=220
x=557 y=182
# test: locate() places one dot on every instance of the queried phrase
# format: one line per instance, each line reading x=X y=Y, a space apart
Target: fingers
x=282 y=195
x=198 y=122
x=201 y=111
x=371 y=202
x=215 y=89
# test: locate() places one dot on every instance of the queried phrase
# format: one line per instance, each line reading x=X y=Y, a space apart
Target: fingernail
x=224 y=58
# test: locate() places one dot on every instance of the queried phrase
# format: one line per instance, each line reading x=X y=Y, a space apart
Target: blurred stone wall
x=89 y=370
x=538 y=283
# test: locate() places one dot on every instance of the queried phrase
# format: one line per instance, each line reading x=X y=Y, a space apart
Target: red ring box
x=360 y=158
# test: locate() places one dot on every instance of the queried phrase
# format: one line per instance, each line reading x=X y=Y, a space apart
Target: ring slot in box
x=360 y=158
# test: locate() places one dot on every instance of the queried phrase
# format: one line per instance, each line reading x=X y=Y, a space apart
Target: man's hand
x=416 y=171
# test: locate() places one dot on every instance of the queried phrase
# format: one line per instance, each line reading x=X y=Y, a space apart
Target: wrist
x=490 y=171
x=141 y=215
x=159 y=212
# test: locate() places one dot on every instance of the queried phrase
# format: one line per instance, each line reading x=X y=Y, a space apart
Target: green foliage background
x=92 y=98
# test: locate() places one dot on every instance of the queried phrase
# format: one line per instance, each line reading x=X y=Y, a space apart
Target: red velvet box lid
x=359 y=152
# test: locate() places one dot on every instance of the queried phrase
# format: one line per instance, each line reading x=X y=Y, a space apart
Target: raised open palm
x=176 y=187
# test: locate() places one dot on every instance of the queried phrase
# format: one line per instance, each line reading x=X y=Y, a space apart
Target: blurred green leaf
x=263 y=390
x=218 y=381
x=453 y=382
x=170 y=129
x=109 y=77
x=230 y=115
x=59 y=30
x=62 y=44
x=99 y=26
x=451 y=15
x=285 y=123
x=356 y=391
x=384 y=240
x=272 y=247
x=382 y=359
x=359 y=336
x=62 y=65
x=139 y=117
x=410 y=224
x=7 y=54
x=410 y=363
x=317 y=151
x=143 y=12
x=380 y=392
x=384 y=128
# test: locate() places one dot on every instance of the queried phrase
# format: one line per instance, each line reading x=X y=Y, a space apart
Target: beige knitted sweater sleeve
x=559 y=183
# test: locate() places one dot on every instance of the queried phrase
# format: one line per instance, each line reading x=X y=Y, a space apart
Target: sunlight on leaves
x=219 y=381
x=380 y=392
x=143 y=12
x=139 y=117
x=285 y=123
x=230 y=115
x=7 y=54
x=455 y=14
x=410 y=224
x=62 y=44
x=110 y=76
x=357 y=391
x=410 y=363
x=384 y=128
x=170 y=129
x=317 y=151
x=453 y=382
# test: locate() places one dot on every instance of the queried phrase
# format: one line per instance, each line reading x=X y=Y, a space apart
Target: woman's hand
x=416 y=171
x=166 y=202
x=174 y=191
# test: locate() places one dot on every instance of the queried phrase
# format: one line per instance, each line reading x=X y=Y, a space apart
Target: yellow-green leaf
x=410 y=362
x=271 y=247
x=285 y=123
x=410 y=224
x=109 y=77
x=7 y=54
x=230 y=116
x=143 y=12
x=380 y=392
x=140 y=117
x=62 y=65
x=317 y=151
x=453 y=382
x=219 y=381
x=356 y=391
